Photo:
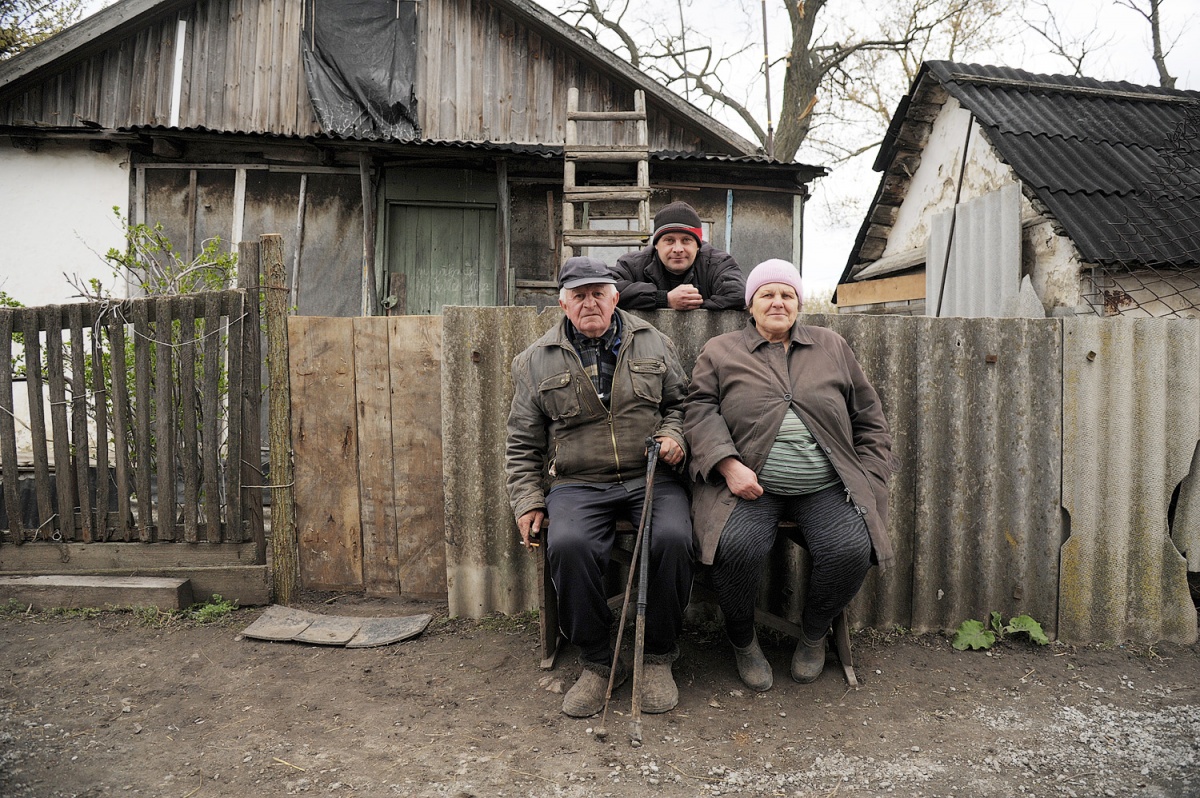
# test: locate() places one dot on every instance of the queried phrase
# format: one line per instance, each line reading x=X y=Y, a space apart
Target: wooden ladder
x=575 y=233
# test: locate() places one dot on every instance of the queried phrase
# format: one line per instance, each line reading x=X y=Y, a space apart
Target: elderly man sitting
x=587 y=395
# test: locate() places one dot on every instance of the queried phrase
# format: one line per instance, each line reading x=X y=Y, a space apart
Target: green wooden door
x=445 y=253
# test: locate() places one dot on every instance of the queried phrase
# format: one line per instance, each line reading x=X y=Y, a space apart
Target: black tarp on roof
x=360 y=64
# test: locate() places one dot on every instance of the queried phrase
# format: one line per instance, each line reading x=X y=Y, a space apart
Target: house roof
x=1117 y=165
x=91 y=35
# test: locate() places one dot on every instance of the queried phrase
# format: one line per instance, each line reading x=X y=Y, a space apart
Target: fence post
x=284 y=548
x=250 y=281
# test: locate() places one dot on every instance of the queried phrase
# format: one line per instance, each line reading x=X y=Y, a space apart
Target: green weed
x=975 y=635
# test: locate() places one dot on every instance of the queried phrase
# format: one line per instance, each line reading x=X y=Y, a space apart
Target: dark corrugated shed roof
x=1117 y=164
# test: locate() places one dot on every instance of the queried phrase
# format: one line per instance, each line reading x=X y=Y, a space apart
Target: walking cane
x=601 y=731
x=639 y=629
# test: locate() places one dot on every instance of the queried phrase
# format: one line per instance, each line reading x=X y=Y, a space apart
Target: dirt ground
x=110 y=706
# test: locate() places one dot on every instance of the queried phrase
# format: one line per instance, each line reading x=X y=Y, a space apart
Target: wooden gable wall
x=241 y=71
x=482 y=75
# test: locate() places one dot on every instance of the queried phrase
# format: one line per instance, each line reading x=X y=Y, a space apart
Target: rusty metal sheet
x=1130 y=426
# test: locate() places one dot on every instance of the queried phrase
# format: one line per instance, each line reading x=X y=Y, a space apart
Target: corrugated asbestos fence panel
x=987 y=524
x=486 y=568
x=1185 y=531
x=1130 y=426
x=986 y=246
x=886 y=347
x=980 y=414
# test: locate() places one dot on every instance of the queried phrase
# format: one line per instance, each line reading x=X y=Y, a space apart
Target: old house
x=1005 y=193
x=411 y=153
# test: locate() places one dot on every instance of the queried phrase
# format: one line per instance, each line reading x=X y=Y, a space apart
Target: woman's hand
x=742 y=481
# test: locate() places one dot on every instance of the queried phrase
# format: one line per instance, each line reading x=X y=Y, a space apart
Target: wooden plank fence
x=141 y=416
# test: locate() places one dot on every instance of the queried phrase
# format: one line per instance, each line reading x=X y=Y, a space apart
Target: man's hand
x=669 y=451
x=684 y=297
x=742 y=480
x=530 y=525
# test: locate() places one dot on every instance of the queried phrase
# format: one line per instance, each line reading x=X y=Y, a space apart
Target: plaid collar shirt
x=599 y=356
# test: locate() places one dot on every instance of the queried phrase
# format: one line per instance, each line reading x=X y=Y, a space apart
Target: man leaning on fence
x=587 y=394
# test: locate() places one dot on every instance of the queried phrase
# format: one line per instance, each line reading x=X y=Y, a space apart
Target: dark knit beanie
x=678 y=217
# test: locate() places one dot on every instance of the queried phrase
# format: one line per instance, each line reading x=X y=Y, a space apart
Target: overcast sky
x=1125 y=55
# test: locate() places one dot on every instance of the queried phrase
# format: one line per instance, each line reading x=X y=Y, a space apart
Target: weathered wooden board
x=284 y=623
x=325 y=444
x=55 y=590
x=89 y=557
x=416 y=362
x=373 y=399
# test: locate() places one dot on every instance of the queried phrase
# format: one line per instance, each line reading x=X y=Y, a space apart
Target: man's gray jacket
x=558 y=427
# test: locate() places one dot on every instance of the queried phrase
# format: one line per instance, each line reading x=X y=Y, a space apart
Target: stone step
x=60 y=590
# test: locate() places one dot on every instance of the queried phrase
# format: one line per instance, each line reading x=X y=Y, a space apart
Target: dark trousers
x=582 y=531
x=835 y=535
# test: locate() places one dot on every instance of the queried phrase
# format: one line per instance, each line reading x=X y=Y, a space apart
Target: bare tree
x=24 y=23
x=1072 y=48
x=835 y=74
x=1159 y=54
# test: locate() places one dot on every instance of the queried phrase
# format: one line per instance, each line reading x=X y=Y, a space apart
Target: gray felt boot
x=586 y=696
x=659 y=691
x=808 y=661
x=753 y=667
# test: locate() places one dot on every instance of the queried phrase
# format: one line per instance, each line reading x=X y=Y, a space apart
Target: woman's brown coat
x=742 y=387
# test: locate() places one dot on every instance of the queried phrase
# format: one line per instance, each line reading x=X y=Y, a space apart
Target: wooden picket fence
x=142 y=417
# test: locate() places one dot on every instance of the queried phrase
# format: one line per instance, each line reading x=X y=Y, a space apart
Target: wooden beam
x=889 y=289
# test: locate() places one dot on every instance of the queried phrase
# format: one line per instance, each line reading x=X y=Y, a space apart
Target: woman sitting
x=783 y=424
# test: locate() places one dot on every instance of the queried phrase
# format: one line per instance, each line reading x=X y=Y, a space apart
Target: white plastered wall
x=56 y=218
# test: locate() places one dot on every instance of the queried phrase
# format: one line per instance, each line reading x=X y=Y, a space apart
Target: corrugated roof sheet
x=807 y=171
x=1116 y=163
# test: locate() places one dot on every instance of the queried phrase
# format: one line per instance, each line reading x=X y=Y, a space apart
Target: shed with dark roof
x=1009 y=193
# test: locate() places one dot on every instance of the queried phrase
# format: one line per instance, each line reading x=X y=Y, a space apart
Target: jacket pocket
x=558 y=396
x=647 y=378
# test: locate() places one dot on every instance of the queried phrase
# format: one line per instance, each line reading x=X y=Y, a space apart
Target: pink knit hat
x=773 y=271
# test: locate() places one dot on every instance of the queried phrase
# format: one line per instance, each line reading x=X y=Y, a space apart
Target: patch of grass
x=12 y=607
x=509 y=624
x=211 y=611
x=80 y=613
x=215 y=610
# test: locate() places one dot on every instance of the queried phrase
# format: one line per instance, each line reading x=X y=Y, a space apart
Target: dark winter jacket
x=644 y=282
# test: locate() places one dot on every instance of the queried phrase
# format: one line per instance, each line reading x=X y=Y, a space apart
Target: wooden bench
x=552 y=640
